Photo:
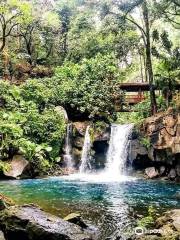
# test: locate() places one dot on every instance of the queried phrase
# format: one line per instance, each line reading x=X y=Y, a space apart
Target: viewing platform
x=140 y=86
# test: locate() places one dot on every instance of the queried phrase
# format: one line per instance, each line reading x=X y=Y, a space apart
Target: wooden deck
x=143 y=87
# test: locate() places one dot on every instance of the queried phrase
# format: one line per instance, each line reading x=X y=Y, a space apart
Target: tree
x=12 y=14
x=170 y=11
x=125 y=10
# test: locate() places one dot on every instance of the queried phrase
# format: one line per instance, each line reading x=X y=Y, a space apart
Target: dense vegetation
x=74 y=54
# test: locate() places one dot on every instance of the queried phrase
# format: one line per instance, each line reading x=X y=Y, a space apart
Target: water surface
x=106 y=205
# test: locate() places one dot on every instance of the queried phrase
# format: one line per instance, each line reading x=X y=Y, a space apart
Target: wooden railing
x=134 y=99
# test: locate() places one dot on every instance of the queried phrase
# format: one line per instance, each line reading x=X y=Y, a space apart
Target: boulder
x=162 y=170
x=18 y=165
x=2 y=236
x=178 y=170
x=28 y=222
x=151 y=172
x=172 y=174
x=76 y=219
x=172 y=217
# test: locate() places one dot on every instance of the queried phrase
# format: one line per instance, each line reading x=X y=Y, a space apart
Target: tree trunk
x=148 y=58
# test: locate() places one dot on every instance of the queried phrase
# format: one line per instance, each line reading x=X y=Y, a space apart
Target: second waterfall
x=86 y=153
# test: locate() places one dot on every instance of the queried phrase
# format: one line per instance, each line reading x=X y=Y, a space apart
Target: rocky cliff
x=157 y=149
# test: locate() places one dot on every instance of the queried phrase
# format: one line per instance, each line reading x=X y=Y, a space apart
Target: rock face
x=30 y=223
x=161 y=133
x=17 y=166
x=163 y=130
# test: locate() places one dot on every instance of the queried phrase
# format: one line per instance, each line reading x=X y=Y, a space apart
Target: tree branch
x=11 y=28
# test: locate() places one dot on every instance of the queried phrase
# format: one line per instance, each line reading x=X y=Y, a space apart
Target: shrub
x=89 y=87
x=27 y=128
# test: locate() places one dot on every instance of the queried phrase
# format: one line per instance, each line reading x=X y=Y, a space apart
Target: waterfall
x=86 y=157
x=116 y=159
x=68 y=147
x=118 y=150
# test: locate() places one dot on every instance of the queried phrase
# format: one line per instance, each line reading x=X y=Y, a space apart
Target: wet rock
x=162 y=170
x=28 y=222
x=80 y=127
x=137 y=148
x=178 y=170
x=151 y=172
x=172 y=174
x=18 y=165
x=167 y=227
x=2 y=236
x=170 y=217
x=78 y=142
x=76 y=219
x=76 y=156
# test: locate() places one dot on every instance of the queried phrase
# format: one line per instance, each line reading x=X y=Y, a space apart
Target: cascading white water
x=118 y=150
x=68 y=147
x=115 y=169
x=86 y=153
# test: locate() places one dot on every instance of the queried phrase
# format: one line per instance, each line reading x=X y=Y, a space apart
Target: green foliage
x=4 y=166
x=140 y=111
x=145 y=142
x=37 y=134
x=37 y=92
x=129 y=117
x=149 y=220
x=88 y=87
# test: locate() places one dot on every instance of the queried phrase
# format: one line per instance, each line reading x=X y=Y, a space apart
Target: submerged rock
x=28 y=222
x=17 y=167
x=76 y=219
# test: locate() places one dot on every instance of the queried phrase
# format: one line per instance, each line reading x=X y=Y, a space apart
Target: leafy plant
x=149 y=220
